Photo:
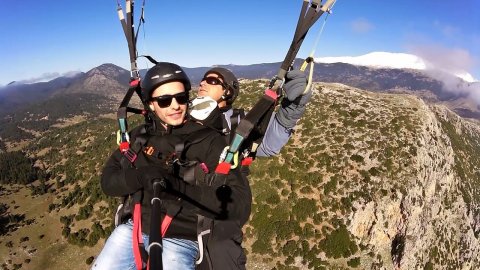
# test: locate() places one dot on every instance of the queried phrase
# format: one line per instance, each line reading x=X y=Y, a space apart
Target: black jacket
x=200 y=198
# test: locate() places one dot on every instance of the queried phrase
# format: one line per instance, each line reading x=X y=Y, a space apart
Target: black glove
x=294 y=103
x=295 y=83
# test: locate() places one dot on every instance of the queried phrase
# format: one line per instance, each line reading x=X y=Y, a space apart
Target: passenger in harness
x=184 y=154
x=224 y=250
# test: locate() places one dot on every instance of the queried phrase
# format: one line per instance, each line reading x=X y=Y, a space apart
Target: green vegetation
x=344 y=154
x=338 y=244
x=42 y=116
x=10 y=222
x=355 y=262
x=16 y=168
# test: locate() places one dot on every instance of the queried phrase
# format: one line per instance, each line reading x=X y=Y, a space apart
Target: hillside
x=368 y=181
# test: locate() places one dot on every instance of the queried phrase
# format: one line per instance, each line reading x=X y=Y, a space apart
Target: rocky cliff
x=370 y=181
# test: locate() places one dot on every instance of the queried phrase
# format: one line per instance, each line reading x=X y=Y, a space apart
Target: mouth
x=176 y=115
x=202 y=92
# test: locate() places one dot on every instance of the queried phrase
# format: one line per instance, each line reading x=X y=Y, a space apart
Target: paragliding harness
x=192 y=172
x=246 y=136
x=252 y=127
x=130 y=206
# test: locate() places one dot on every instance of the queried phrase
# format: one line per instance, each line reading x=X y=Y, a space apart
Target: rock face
x=399 y=174
x=430 y=223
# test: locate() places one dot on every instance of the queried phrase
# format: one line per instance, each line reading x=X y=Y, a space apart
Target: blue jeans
x=118 y=251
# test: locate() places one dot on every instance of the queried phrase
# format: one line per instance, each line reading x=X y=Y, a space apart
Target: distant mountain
x=112 y=81
x=29 y=108
x=16 y=95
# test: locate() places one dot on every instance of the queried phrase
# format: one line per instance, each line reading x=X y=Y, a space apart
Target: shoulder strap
x=131 y=154
x=235 y=118
x=194 y=138
x=237 y=115
x=186 y=168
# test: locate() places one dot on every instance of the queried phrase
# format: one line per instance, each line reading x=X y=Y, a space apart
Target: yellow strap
x=223 y=155
x=235 y=160
x=119 y=137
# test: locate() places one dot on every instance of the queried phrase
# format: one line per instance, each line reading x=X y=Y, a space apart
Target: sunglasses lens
x=165 y=100
x=182 y=98
x=212 y=80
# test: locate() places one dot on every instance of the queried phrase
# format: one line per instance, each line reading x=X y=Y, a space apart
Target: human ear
x=150 y=105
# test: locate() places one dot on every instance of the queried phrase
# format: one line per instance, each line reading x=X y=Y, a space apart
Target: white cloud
x=379 y=60
x=361 y=25
x=439 y=62
x=48 y=76
x=42 y=78
x=451 y=60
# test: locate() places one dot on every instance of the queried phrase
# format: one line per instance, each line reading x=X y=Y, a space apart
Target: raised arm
x=283 y=122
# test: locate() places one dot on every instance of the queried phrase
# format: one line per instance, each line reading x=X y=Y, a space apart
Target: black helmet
x=230 y=82
x=163 y=72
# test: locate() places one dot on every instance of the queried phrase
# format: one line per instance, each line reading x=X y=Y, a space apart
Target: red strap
x=247 y=161
x=124 y=146
x=134 y=83
x=272 y=94
x=137 y=235
x=165 y=224
x=223 y=168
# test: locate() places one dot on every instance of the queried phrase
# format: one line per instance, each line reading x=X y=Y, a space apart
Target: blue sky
x=47 y=38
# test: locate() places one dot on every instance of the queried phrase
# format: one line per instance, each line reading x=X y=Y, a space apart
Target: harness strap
x=203 y=228
x=309 y=14
x=167 y=220
x=139 y=252
x=261 y=111
x=129 y=31
x=188 y=174
x=253 y=117
x=237 y=115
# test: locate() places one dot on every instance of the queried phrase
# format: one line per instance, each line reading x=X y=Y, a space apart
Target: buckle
x=130 y=155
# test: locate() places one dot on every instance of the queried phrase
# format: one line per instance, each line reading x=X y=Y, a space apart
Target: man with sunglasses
x=190 y=187
x=224 y=243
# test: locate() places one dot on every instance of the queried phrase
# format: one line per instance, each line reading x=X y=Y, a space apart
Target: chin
x=175 y=122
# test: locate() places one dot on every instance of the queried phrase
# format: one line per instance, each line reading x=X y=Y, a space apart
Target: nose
x=174 y=104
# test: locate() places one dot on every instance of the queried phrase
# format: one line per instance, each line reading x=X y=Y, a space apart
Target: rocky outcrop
x=401 y=182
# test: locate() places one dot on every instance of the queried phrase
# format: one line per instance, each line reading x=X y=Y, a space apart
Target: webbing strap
x=253 y=117
x=309 y=14
x=138 y=246
x=130 y=36
x=167 y=220
x=203 y=228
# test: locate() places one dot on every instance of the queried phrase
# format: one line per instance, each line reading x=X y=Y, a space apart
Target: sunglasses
x=213 y=81
x=165 y=100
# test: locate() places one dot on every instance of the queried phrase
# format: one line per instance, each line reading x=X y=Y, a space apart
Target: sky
x=44 y=39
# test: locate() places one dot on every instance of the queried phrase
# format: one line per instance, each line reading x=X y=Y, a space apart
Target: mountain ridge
x=449 y=89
